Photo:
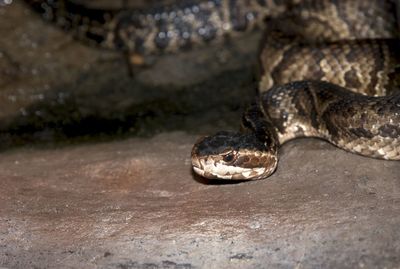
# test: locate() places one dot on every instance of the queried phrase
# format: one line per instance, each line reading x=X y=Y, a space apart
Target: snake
x=157 y=29
x=328 y=69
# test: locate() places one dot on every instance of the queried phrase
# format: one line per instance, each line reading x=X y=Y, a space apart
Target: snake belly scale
x=328 y=69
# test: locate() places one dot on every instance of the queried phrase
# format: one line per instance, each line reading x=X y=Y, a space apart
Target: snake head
x=233 y=156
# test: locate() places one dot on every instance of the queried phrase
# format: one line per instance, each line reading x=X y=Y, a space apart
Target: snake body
x=366 y=125
x=158 y=29
x=328 y=69
x=334 y=74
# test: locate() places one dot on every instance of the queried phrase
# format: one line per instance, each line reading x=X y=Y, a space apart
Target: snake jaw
x=206 y=167
x=217 y=169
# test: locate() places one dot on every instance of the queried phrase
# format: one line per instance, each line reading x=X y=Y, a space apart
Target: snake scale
x=328 y=69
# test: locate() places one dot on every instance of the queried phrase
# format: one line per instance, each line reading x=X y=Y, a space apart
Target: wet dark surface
x=95 y=169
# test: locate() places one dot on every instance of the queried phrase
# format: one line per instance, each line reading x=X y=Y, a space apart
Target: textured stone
x=136 y=204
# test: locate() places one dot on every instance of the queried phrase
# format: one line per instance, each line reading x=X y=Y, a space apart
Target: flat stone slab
x=136 y=204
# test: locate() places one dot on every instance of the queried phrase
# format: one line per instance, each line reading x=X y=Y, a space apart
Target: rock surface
x=136 y=204
x=73 y=200
x=55 y=87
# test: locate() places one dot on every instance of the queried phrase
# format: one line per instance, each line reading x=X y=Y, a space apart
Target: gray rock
x=136 y=204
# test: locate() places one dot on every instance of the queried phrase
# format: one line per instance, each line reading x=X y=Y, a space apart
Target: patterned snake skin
x=164 y=28
x=328 y=69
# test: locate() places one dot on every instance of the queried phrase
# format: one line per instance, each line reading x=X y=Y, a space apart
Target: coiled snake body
x=328 y=69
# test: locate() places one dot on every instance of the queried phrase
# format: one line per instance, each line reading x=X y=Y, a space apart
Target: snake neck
x=256 y=121
x=293 y=111
x=166 y=28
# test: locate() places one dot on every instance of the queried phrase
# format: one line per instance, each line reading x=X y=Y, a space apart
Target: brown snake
x=328 y=45
x=328 y=69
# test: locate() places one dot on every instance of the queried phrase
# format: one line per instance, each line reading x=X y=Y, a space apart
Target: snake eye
x=229 y=157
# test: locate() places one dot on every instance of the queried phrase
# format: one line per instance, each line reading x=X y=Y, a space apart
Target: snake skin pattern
x=308 y=55
x=366 y=66
x=164 y=28
x=328 y=69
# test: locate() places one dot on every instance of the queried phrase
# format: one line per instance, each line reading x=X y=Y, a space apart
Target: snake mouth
x=196 y=163
x=215 y=170
x=197 y=167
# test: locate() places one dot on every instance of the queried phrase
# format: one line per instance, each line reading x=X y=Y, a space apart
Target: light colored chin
x=222 y=171
x=198 y=171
